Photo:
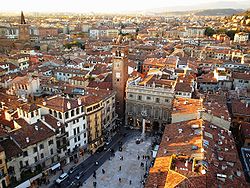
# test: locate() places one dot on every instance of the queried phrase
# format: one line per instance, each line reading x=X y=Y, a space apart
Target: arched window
x=55 y=113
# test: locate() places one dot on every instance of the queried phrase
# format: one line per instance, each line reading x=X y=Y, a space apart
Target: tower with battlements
x=119 y=78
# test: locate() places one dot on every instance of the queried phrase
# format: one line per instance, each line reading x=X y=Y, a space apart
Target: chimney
x=43 y=118
x=246 y=104
x=27 y=139
x=68 y=105
x=44 y=103
x=58 y=124
x=79 y=101
x=36 y=127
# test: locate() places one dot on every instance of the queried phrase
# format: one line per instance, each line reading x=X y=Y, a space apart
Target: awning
x=55 y=166
x=154 y=153
x=24 y=184
x=36 y=177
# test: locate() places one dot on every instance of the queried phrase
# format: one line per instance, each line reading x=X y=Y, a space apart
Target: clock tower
x=119 y=78
x=24 y=34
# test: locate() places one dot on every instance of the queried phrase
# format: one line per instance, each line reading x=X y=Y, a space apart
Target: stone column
x=143 y=127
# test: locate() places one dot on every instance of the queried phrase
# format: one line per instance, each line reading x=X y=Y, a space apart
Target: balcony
x=60 y=135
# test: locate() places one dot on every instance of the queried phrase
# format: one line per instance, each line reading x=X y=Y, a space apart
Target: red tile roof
x=241 y=75
x=183 y=87
x=192 y=147
x=240 y=107
x=30 y=133
x=59 y=103
x=11 y=148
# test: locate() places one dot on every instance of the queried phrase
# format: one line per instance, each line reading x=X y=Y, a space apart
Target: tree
x=231 y=34
x=221 y=31
x=209 y=31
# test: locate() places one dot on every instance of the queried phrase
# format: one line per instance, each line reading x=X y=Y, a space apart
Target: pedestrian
x=130 y=182
x=103 y=171
x=122 y=158
x=120 y=180
x=120 y=168
x=138 y=157
x=94 y=174
x=94 y=183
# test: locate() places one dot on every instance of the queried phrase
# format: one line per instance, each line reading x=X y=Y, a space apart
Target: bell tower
x=119 y=78
x=24 y=34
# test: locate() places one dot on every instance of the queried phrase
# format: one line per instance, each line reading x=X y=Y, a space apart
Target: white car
x=61 y=178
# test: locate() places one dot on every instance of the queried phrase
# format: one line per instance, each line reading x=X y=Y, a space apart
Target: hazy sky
x=104 y=5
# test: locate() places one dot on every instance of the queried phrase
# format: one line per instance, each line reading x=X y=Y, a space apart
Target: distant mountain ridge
x=218 y=12
x=205 y=12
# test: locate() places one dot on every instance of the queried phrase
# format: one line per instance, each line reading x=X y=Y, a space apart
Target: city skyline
x=110 y=6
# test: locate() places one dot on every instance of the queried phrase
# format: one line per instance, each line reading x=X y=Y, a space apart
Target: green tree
x=231 y=34
x=209 y=31
x=221 y=31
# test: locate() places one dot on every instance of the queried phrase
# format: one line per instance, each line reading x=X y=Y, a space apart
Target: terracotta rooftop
x=157 y=81
x=199 y=154
x=240 y=107
x=52 y=121
x=207 y=78
x=183 y=87
x=30 y=134
x=60 y=103
x=186 y=106
x=11 y=148
x=29 y=107
x=216 y=104
x=241 y=75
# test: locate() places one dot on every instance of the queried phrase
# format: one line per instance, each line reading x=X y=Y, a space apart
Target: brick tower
x=24 y=34
x=119 y=78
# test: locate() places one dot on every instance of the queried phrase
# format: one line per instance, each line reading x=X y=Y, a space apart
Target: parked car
x=72 y=169
x=61 y=178
x=78 y=176
x=100 y=149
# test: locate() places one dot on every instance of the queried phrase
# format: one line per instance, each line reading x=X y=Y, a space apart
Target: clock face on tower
x=117 y=64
